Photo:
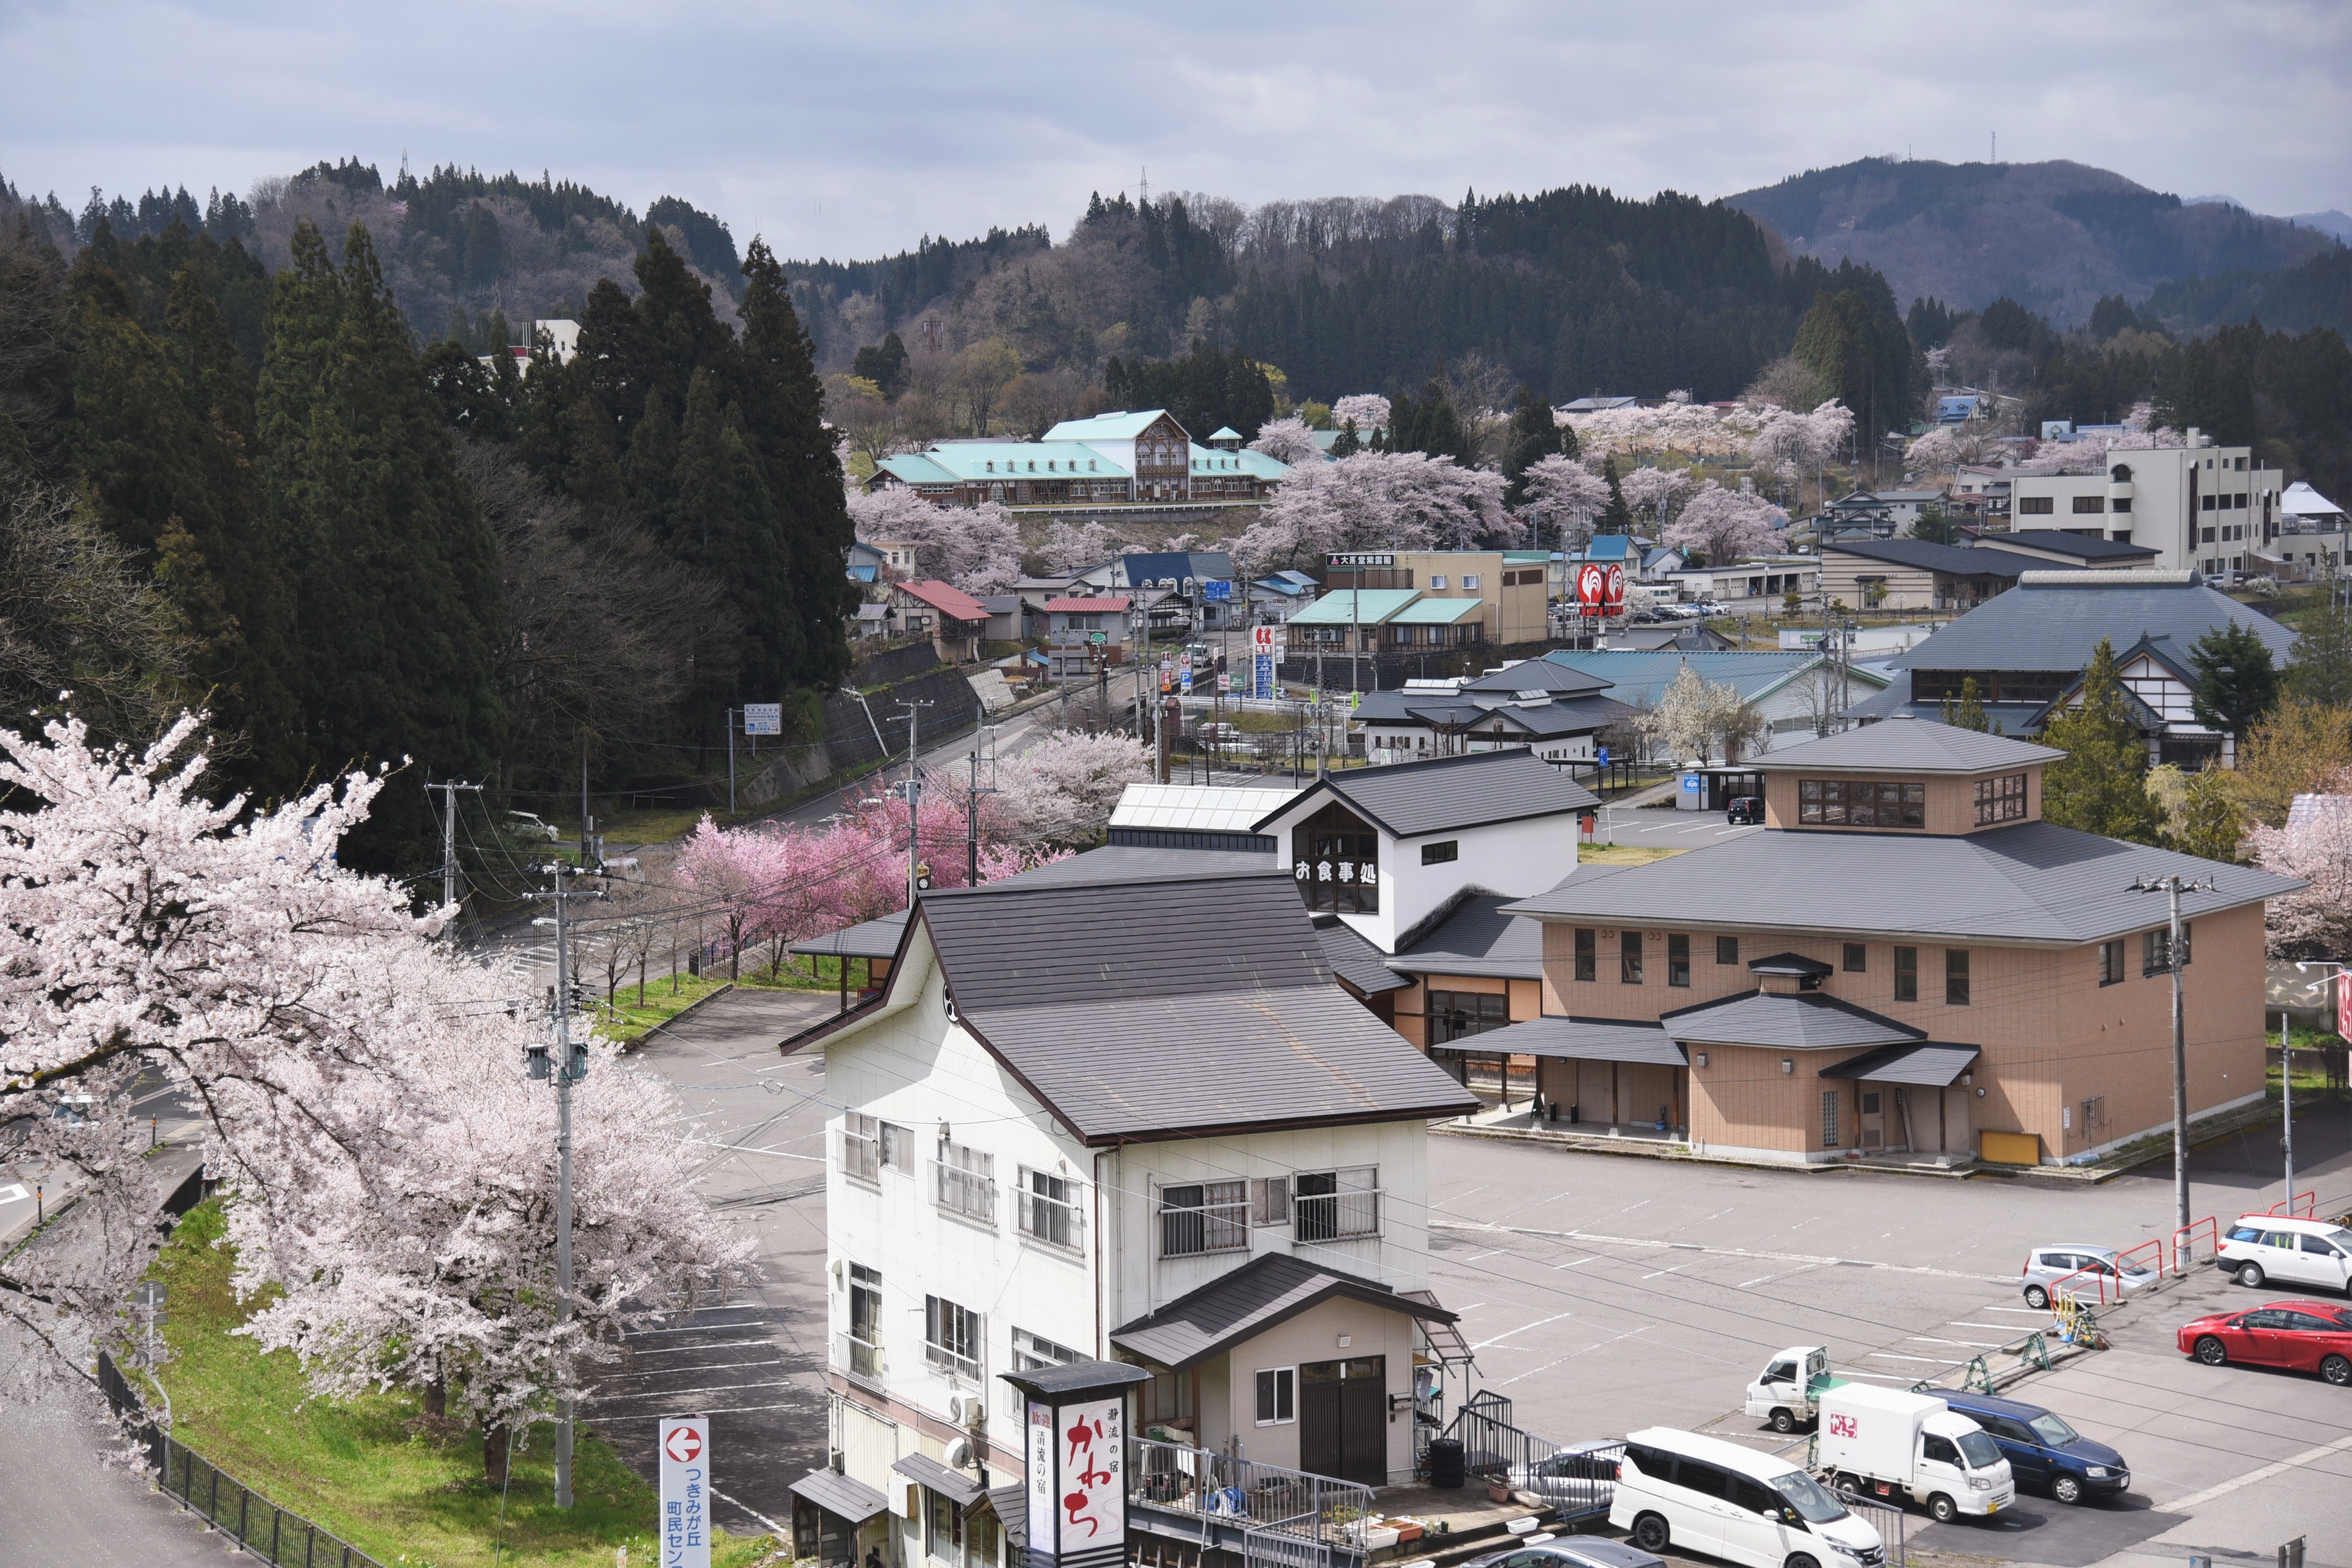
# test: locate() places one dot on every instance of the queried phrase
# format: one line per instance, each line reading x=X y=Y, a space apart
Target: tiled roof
x=1911 y=746
x=2056 y=625
x=1537 y=675
x=1268 y=1289
x=1807 y=1021
x=1412 y=799
x=1478 y=938
x=1931 y=1064
x=1354 y=959
x=840 y=1495
x=1105 y=605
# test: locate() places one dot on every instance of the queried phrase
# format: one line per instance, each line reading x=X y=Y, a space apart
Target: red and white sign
x=2344 y=1004
x=685 y=1532
x=1600 y=588
x=1265 y=642
x=1077 y=1490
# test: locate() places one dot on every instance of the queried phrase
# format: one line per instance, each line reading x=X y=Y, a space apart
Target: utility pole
x=2286 y=1104
x=971 y=823
x=449 y=789
x=912 y=789
x=568 y=1066
x=730 y=764
x=2172 y=886
x=1142 y=648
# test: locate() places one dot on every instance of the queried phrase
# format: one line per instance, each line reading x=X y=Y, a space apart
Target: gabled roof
x=915 y=468
x=2301 y=501
x=2053 y=625
x=1410 y=800
x=1429 y=612
x=1240 y=460
x=946 y=462
x=1931 y=1065
x=1478 y=937
x=1270 y=1289
x=840 y=1495
x=1642 y=677
x=1535 y=675
x=1175 y=566
x=1807 y=1021
x=1106 y=605
x=1116 y=425
x=1610 y=547
x=2031 y=882
x=1355 y=960
x=945 y=597
x=1225 y=433
x=1953 y=560
x=1909 y=746
x=1339 y=607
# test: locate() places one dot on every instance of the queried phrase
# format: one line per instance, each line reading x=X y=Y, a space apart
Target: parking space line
x=714 y=1366
x=1522 y=1328
x=1962 y=1323
x=2021 y=1311
x=1971 y=1345
x=2309 y=1455
x=681 y=1349
x=691 y=1392
x=1931 y=1361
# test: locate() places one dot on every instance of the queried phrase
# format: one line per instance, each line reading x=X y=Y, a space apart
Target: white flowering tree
x=1651 y=492
x=1367 y=411
x=1071 y=547
x=1377 y=501
x=1059 y=794
x=976 y=548
x=1695 y=718
x=1564 y=496
x=2314 y=847
x=1287 y=441
x=1725 y=524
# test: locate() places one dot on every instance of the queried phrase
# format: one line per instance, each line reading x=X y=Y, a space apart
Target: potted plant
x=1499 y=1489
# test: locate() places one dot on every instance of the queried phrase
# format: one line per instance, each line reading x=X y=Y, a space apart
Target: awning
x=953 y=1485
x=1931 y=1066
x=838 y=1495
x=1012 y=1506
x=1446 y=1340
x=1807 y=1021
x=870 y=939
x=1576 y=1039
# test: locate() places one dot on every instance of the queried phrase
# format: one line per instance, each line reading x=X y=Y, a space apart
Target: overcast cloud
x=851 y=129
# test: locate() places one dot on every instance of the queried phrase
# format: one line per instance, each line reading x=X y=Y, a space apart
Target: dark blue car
x=2042 y=1451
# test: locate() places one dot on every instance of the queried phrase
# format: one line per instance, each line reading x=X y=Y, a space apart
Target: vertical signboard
x=685 y=1534
x=1077 y=1487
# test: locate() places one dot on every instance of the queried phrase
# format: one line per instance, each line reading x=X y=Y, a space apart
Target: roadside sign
x=764 y=718
x=1261 y=677
x=1098 y=637
x=1214 y=592
x=1604 y=756
x=1224 y=683
x=1266 y=642
x=684 y=1444
x=1185 y=681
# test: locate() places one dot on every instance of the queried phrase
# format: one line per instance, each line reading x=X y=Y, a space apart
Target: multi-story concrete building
x=2202 y=506
x=1512 y=587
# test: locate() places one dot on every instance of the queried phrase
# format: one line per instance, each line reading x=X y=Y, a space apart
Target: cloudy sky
x=850 y=129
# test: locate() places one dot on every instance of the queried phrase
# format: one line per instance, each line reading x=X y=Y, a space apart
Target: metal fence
x=1261 y=1500
x=270 y=1532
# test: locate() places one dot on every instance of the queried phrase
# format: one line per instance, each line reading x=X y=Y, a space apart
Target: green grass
x=375 y=1471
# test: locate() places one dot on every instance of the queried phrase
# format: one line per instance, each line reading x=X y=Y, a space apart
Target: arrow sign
x=684 y=1533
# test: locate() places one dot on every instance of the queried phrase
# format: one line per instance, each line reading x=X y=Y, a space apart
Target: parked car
x=2299 y=1336
x=1574 y=1481
x=530 y=825
x=1746 y=810
x=2291 y=1251
x=1570 y=1551
x=2042 y=1451
x=2048 y=1264
x=1734 y=1503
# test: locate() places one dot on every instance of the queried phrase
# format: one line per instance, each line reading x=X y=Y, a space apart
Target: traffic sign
x=764 y=718
x=685 y=1446
x=1214 y=592
x=1185 y=680
x=1604 y=756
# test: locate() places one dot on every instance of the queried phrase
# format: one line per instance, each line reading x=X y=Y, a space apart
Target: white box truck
x=1785 y=1392
x=1888 y=1443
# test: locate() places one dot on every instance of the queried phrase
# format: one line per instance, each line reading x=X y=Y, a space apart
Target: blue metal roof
x=1643 y=678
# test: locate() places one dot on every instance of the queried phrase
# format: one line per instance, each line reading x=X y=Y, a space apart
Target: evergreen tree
x=1936 y=528
x=2236 y=684
x=394 y=575
x=1969 y=712
x=649 y=472
x=1534 y=436
x=726 y=525
x=1348 y=443
x=2319 y=670
x=2100 y=785
x=1428 y=424
x=1616 y=517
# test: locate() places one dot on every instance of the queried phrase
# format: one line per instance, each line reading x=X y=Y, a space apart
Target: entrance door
x=1959 y=1136
x=1874 y=1119
x=1343 y=1419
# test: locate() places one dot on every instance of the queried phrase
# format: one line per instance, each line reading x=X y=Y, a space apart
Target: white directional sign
x=685 y=1492
x=764 y=718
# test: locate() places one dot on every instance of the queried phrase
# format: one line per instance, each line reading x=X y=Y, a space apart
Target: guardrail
x=2302 y=1206
x=1247 y=1497
x=2184 y=1256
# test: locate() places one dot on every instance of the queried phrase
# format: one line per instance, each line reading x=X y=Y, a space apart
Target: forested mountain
x=2313 y=293
x=2054 y=237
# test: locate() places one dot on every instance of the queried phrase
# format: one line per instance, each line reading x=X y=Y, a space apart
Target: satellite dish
x=959 y=1455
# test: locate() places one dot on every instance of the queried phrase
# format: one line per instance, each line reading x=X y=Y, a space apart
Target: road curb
x=688 y=1011
x=1682 y=1153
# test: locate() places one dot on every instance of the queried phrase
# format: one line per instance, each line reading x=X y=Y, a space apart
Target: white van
x=2264 y=1247
x=1704 y=1494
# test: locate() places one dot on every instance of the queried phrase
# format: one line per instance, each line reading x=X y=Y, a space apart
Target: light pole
x=567 y=1067
x=2172 y=886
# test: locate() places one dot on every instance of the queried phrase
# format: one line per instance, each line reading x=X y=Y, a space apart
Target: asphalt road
x=1664 y=829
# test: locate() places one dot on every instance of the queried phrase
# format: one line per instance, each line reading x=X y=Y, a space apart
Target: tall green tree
x=1428 y=424
x=1853 y=341
x=1534 y=436
x=1616 y=517
x=2319 y=670
x=1969 y=712
x=2236 y=683
x=394 y=574
x=2100 y=785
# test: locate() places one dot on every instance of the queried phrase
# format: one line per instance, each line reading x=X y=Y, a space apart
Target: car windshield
x=1806 y=1496
x=2053 y=1431
x=1981 y=1451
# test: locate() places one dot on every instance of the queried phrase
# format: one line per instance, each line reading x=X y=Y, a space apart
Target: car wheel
x=2209 y=1350
x=2067 y=1489
x=1801 y=1560
x=2249 y=1274
x=2036 y=1296
x=1650 y=1532
x=2337 y=1370
x=1942 y=1510
x=1784 y=1420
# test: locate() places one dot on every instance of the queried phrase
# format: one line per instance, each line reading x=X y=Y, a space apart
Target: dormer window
x=1861 y=803
x=992 y=467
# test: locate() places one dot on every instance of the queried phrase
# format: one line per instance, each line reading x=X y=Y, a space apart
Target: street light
x=2172 y=886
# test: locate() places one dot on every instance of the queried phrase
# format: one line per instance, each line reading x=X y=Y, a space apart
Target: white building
x=1525 y=705
x=2201 y=507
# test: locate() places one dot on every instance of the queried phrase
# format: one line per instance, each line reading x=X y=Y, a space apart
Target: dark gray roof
x=1560 y=716
x=1895 y=703
x=2080 y=546
x=1537 y=675
x=1932 y=1064
x=1478 y=937
x=1908 y=746
x=1692 y=635
x=1354 y=959
x=2055 y=626
x=1012 y=1506
x=1807 y=1021
x=1410 y=799
x=1789 y=964
x=2031 y=882
x=867 y=939
x=1077 y=1377
x=1581 y=1039
x=952 y=1484
x=1153 y=1007
x=1270 y=1289
x=836 y=1494
x=1957 y=561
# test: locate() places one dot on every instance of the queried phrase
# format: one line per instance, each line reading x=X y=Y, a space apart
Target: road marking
x=1522 y=1328
x=1656 y=1272
x=12 y=1194
x=1961 y=1323
x=1758 y=1254
x=693 y=1393
x=1971 y=1345
x=2309 y=1455
x=1757 y=1280
x=1931 y=1361
x=1702 y=827
x=1578 y=1262
x=714 y=1366
x=681 y=1349
x=2021 y=1311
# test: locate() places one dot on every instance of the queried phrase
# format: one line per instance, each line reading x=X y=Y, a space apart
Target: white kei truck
x=1786 y=1393
x=1888 y=1443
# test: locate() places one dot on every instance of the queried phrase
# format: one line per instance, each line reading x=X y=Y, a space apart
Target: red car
x=2301 y=1336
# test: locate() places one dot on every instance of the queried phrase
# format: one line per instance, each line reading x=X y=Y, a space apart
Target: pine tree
x=2100 y=785
x=1534 y=436
x=2236 y=684
x=650 y=472
x=1616 y=517
x=1969 y=712
x=2319 y=670
x=726 y=524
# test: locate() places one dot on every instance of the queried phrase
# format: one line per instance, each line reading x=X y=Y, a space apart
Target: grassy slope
x=408 y=1490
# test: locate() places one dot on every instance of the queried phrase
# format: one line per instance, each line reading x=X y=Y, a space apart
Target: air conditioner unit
x=959 y=1453
x=967 y=1409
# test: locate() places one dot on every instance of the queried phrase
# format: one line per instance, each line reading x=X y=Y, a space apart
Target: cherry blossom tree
x=2314 y=847
x=1287 y=441
x=1071 y=548
x=976 y=548
x=1651 y=492
x=1368 y=411
x=1695 y=718
x=2092 y=454
x=1390 y=500
x=1059 y=794
x=1723 y=524
x=1565 y=494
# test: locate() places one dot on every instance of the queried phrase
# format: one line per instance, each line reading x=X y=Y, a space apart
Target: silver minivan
x=1704 y=1494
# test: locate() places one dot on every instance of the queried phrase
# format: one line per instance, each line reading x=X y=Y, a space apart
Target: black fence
x=268 y=1531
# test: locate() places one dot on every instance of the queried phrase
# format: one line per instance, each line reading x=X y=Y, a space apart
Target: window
x=1336 y=1206
x=859 y=1155
x=1828 y=1119
x=1278 y=1395
x=1677 y=959
x=865 y=1322
x=2111 y=962
x=2120 y=473
x=2036 y=505
x=1335 y=862
x=965 y=1182
x=952 y=1336
x=1726 y=949
x=1439 y=854
x=2084 y=504
x=1457 y=1015
x=898 y=1147
x=942 y=1527
x=1629 y=958
x=1857 y=957
x=1587 y=962
x=1437 y=580
x=1270 y=1200
x=1907 y=975
x=2121 y=503
x=1956 y=977
x=1861 y=803
x=1049 y=1209
x=1201 y=1217
x=1470 y=582
x=2001 y=800
x=1034 y=1352
x=1939 y=1449
x=1707 y=1481
x=2156 y=949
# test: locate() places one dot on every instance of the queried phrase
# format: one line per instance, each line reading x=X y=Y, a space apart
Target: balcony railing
x=858 y=1362
x=1335 y=1217
x=964 y=1182
x=1192 y=1231
x=1056 y=1222
x=1245 y=1496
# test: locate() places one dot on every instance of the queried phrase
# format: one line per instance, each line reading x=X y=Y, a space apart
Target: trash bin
x=1445 y=1469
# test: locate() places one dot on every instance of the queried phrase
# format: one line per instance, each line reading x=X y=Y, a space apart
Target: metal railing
x=859 y=1361
x=1193 y=1230
x=1257 y=1500
x=2302 y=1206
x=1575 y=1482
x=1335 y=1217
x=1889 y=1522
x=277 y=1536
x=1056 y=1222
x=964 y=1180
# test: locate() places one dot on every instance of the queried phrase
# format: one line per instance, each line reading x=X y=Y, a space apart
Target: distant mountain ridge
x=2055 y=237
